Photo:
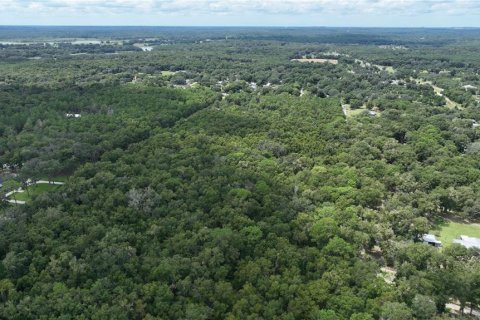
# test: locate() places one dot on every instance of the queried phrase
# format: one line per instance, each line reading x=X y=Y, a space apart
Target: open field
x=449 y=230
x=167 y=73
x=389 y=69
x=332 y=61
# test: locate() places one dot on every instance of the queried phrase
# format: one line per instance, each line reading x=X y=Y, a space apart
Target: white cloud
x=409 y=7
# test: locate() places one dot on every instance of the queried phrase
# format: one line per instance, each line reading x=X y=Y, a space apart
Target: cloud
x=236 y=7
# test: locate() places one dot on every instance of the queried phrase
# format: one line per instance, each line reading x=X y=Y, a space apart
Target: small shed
x=431 y=240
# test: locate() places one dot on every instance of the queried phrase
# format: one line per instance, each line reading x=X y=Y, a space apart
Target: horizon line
x=237 y=26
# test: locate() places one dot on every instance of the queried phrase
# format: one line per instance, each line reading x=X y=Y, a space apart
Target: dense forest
x=238 y=173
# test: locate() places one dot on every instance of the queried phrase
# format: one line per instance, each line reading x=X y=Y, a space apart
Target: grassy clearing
x=447 y=231
x=167 y=73
x=389 y=69
x=34 y=191
x=356 y=112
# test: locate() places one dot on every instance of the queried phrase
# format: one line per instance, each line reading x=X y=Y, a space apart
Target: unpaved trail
x=439 y=91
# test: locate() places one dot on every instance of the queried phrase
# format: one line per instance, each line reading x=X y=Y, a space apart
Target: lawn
x=33 y=191
x=447 y=231
x=389 y=69
x=356 y=112
x=167 y=73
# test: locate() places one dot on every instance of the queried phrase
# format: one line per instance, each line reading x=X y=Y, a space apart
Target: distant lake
x=87 y=42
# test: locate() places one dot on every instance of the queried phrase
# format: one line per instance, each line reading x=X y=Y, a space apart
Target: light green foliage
x=423 y=307
x=396 y=311
x=361 y=316
x=323 y=230
x=327 y=315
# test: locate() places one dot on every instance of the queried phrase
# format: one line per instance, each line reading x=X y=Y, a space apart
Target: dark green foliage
x=199 y=195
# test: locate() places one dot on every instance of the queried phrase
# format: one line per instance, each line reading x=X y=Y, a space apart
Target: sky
x=334 y=13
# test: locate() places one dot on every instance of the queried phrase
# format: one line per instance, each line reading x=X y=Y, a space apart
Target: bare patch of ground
x=455 y=308
x=388 y=274
x=331 y=61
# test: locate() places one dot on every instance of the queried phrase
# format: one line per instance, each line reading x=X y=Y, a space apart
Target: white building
x=468 y=242
x=431 y=240
x=73 y=115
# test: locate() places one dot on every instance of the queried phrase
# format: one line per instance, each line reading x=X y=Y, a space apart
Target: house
x=8 y=166
x=468 y=242
x=73 y=115
x=431 y=240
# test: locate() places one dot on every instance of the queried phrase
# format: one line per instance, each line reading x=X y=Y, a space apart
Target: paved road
x=58 y=183
x=16 y=201
x=8 y=194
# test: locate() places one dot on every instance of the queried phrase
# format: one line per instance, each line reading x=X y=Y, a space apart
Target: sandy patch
x=332 y=61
